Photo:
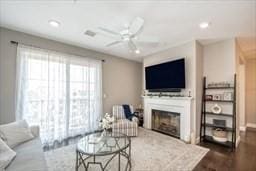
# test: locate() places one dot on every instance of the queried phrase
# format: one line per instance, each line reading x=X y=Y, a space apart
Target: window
x=59 y=92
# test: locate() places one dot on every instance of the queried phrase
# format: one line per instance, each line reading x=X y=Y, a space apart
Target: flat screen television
x=169 y=76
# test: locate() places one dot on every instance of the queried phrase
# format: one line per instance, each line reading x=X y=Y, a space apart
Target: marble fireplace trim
x=181 y=105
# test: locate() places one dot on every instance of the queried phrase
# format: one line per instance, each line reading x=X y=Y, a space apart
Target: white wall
x=199 y=83
x=219 y=61
x=220 y=64
x=242 y=95
x=121 y=77
x=240 y=70
x=193 y=53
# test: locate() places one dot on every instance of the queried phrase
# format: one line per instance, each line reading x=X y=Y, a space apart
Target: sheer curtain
x=59 y=92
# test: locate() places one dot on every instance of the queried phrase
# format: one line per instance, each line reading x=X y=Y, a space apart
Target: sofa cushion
x=124 y=124
x=15 y=133
x=126 y=127
x=6 y=155
x=30 y=157
x=35 y=130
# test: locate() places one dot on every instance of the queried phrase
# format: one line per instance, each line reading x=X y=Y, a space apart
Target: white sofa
x=29 y=155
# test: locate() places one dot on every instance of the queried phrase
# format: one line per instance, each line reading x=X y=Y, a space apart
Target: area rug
x=151 y=151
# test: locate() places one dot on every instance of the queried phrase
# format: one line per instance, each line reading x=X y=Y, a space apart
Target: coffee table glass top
x=103 y=144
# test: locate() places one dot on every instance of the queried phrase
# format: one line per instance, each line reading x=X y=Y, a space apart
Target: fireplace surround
x=181 y=105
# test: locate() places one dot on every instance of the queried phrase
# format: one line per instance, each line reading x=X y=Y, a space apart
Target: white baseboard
x=251 y=125
x=238 y=141
x=242 y=128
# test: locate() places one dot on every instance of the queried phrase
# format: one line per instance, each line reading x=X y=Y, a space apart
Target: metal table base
x=82 y=159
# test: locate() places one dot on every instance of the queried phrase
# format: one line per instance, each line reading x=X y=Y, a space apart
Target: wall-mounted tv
x=169 y=76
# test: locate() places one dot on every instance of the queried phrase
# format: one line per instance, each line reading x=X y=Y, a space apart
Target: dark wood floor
x=222 y=159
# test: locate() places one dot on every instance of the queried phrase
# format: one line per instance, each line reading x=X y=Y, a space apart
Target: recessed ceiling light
x=54 y=23
x=204 y=25
x=137 y=51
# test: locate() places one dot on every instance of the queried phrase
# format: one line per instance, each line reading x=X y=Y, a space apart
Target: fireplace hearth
x=166 y=122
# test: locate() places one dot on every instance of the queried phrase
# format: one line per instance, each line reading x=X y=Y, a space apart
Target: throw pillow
x=127 y=112
x=15 y=133
x=6 y=155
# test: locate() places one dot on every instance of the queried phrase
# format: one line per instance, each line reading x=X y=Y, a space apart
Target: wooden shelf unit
x=208 y=138
x=224 y=101
x=216 y=126
x=211 y=140
x=220 y=114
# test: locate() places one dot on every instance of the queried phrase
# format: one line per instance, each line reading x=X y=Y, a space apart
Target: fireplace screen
x=166 y=122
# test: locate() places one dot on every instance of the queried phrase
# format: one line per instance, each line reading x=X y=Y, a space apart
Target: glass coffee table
x=109 y=144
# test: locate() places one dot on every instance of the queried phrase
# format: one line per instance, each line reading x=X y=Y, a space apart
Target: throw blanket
x=127 y=112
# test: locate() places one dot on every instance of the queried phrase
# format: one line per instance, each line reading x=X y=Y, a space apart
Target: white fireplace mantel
x=182 y=105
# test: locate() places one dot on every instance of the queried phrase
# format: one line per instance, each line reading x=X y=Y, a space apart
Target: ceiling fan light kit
x=129 y=35
x=137 y=51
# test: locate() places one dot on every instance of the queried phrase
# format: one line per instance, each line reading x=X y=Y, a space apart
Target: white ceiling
x=171 y=22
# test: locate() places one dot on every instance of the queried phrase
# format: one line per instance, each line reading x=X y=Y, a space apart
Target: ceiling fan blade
x=132 y=46
x=113 y=43
x=136 y=26
x=148 y=41
x=109 y=31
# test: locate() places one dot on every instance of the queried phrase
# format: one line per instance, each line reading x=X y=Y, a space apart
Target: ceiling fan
x=129 y=35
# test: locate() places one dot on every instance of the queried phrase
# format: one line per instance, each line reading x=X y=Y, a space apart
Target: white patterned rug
x=151 y=151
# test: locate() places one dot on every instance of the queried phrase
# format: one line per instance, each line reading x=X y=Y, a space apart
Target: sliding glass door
x=59 y=92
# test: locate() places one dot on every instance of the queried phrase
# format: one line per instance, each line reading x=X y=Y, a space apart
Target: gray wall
x=122 y=78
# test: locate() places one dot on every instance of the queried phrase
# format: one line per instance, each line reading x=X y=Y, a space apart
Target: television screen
x=166 y=76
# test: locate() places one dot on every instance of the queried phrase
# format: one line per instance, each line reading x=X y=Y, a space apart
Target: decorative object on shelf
x=220 y=135
x=219 y=122
x=160 y=94
x=217 y=97
x=218 y=84
x=165 y=94
x=150 y=95
x=208 y=97
x=216 y=109
x=144 y=93
x=228 y=96
x=189 y=93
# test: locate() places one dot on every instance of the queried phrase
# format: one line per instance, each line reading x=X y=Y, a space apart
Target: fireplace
x=166 y=122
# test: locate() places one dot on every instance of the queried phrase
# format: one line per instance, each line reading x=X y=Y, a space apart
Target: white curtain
x=59 y=92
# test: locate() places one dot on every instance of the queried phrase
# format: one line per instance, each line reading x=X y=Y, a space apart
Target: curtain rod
x=16 y=43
